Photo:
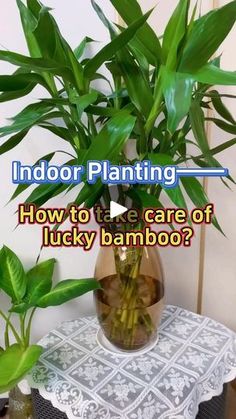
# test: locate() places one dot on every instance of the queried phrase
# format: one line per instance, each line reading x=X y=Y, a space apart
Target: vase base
x=107 y=346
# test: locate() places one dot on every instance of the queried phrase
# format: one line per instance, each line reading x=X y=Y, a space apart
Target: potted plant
x=160 y=89
x=27 y=292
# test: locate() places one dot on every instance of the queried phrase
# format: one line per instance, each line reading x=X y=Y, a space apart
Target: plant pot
x=130 y=303
x=20 y=405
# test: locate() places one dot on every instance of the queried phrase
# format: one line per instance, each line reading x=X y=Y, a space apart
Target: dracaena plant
x=27 y=292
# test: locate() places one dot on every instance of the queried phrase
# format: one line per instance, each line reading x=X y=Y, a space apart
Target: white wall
x=77 y=19
x=219 y=292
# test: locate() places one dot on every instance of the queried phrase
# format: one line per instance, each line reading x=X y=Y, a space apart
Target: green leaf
x=198 y=126
x=66 y=291
x=29 y=23
x=177 y=89
x=82 y=102
x=16 y=82
x=206 y=36
x=231 y=129
x=210 y=74
x=12 y=275
x=221 y=147
x=39 y=280
x=15 y=363
x=79 y=51
x=13 y=142
x=149 y=43
x=26 y=118
x=115 y=45
x=36 y=64
x=61 y=132
x=198 y=196
x=7 y=96
x=103 y=19
x=21 y=188
x=220 y=107
x=111 y=138
x=136 y=83
x=174 y=34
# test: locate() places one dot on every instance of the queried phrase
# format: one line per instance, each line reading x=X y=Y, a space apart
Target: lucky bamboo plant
x=158 y=94
x=27 y=292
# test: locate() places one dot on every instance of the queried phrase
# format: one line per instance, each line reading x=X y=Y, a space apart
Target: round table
x=192 y=360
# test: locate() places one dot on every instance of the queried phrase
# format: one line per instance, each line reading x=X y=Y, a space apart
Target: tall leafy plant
x=158 y=95
x=27 y=292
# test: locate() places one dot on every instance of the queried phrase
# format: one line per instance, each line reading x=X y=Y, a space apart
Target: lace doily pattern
x=193 y=359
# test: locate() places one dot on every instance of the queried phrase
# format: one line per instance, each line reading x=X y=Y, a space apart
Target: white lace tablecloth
x=194 y=357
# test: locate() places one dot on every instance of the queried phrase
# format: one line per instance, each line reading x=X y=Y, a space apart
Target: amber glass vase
x=130 y=302
x=20 y=405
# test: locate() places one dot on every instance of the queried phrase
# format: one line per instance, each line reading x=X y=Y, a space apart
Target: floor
x=231 y=404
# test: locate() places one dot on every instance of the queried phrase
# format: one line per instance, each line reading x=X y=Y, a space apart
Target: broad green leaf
x=29 y=23
x=102 y=111
x=12 y=275
x=177 y=89
x=149 y=43
x=220 y=107
x=82 y=102
x=15 y=363
x=7 y=96
x=198 y=126
x=16 y=82
x=207 y=34
x=54 y=46
x=115 y=45
x=174 y=34
x=175 y=194
x=26 y=118
x=210 y=74
x=138 y=87
x=66 y=291
x=21 y=188
x=111 y=138
x=36 y=64
x=39 y=281
x=198 y=196
x=13 y=141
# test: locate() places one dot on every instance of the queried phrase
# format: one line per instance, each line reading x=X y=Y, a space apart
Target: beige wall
x=77 y=19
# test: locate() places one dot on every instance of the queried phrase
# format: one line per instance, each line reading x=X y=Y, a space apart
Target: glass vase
x=131 y=299
x=20 y=405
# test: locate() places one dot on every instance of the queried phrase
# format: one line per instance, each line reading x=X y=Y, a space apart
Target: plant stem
x=28 y=329
x=6 y=335
x=17 y=337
